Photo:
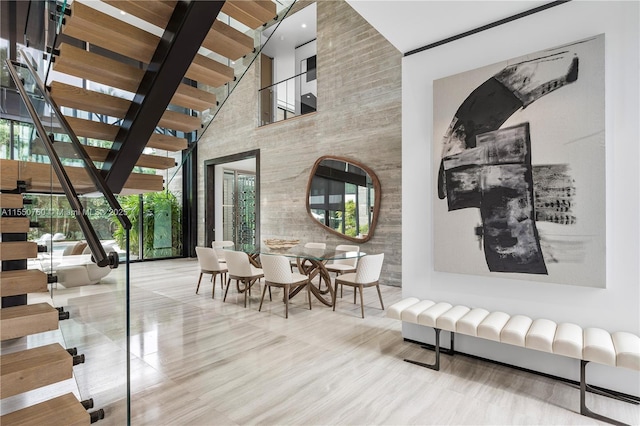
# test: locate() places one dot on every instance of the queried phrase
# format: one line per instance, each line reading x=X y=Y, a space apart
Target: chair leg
x=354 y=295
x=270 y=299
x=309 y=294
x=380 y=296
x=227 y=290
x=361 y=300
x=247 y=289
x=264 y=290
x=286 y=301
x=333 y=301
x=213 y=287
x=200 y=279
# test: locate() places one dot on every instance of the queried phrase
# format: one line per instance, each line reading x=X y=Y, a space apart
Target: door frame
x=210 y=184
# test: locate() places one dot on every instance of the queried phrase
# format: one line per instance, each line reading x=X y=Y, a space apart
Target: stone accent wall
x=359 y=117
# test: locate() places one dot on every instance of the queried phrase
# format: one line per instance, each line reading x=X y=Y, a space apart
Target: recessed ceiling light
x=304 y=25
x=122 y=12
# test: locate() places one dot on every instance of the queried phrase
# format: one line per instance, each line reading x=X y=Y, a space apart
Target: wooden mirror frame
x=376 y=202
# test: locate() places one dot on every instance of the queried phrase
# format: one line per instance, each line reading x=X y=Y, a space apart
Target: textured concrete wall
x=358 y=117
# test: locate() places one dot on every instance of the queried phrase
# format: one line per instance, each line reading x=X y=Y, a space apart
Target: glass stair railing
x=240 y=67
x=63 y=244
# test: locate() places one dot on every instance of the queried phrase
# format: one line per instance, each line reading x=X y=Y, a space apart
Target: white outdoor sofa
x=618 y=349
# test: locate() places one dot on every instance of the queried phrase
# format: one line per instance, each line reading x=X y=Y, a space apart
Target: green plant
x=155 y=205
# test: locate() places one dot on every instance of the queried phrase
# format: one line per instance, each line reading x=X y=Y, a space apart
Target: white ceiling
x=413 y=24
x=291 y=33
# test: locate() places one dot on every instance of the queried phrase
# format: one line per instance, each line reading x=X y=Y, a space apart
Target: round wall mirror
x=343 y=196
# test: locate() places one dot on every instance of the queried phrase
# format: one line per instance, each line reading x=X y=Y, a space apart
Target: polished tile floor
x=198 y=361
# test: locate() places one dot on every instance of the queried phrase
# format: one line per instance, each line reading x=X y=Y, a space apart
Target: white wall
x=617 y=307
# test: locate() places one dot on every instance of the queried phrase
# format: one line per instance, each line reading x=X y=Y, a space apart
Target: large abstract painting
x=519 y=164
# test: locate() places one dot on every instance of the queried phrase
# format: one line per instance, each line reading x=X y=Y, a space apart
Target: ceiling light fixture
x=122 y=12
x=304 y=25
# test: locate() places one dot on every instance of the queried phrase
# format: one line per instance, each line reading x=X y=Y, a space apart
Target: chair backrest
x=276 y=269
x=369 y=268
x=353 y=261
x=207 y=259
x=316 y=245
x=238 y=263
x=222 y=244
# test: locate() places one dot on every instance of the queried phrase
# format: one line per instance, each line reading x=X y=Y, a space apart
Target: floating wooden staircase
x=117 y=56
x=29 y=369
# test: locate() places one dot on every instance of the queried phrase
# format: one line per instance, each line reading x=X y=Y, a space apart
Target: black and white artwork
x=519 y=165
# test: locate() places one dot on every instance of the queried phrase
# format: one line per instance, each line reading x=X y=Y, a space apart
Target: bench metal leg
x=451 y=351
x=436 y=365
x=583 y=390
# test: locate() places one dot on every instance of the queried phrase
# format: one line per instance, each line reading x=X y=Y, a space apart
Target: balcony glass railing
x=289 y=98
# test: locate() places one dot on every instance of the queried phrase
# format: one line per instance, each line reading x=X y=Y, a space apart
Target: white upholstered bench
x=619 y=349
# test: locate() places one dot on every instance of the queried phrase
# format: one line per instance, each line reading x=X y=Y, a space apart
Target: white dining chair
x=221 y=247
x=344 y=266
x=209 y=264
x=322 y=246
x=367 y=275
x=277 y=273
x=241 y=270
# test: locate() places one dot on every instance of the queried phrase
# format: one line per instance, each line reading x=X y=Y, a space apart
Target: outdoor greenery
x=154 y=204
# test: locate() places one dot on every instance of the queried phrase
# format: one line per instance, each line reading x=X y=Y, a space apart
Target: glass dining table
x=310 y=261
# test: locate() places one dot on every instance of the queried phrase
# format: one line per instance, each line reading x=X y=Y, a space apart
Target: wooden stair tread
x=101 y=103
x=23 y=281
x=11 y=201
x=222 y=38
x=108 y=132
x=157 y=13
x=38 y=176
x=251 y=13
x=88 y=100
x=17 y=250
x=227 y=41
x=14 y=225
x=178 y=121
x=66 y=150
x=9 y=176
x=207 y=71
x=91 y=66
x=193 y=98
x=24 y=320
x=63 y=410
x=100 y=29
x=33 y=368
